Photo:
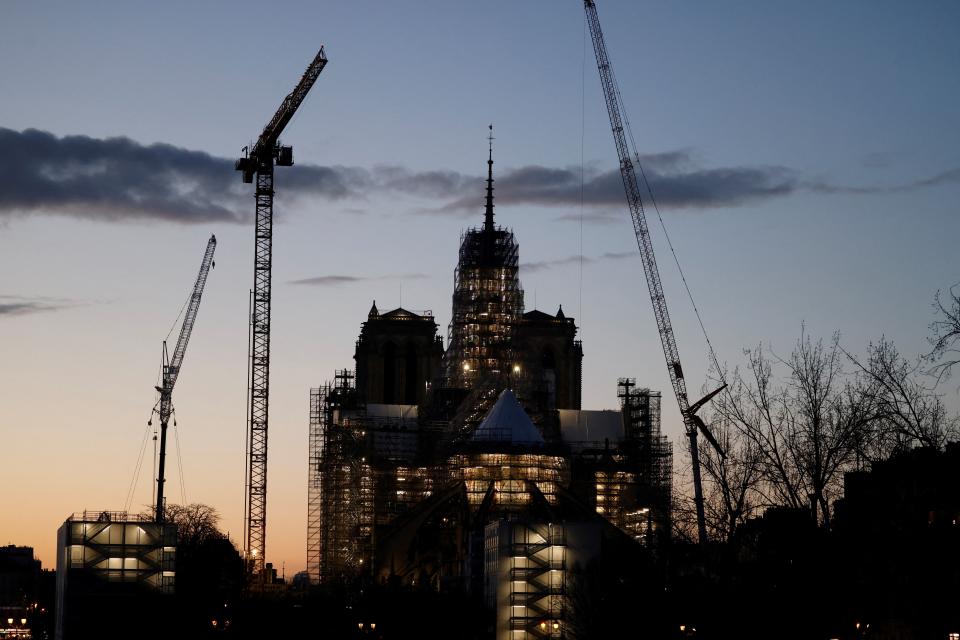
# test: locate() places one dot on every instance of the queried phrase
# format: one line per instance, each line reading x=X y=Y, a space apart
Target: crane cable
x=176 y=439
x=177 y=319
x=583 y=102
x=656 y=208
x=136 y=470
x=128 y=502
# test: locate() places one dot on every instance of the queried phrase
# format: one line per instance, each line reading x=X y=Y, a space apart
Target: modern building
x=474 y=469
x=111 y=566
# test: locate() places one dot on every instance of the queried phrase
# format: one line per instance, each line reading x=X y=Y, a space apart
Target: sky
x=805 y=157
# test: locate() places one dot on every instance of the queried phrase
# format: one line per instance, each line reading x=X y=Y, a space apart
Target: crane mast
x=631 y=185
x=259 y=162
x=171 y=366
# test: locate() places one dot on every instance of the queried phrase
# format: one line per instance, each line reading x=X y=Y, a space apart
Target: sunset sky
x=806 y=157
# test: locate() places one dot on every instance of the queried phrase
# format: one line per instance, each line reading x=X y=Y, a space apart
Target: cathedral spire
x=488 y=217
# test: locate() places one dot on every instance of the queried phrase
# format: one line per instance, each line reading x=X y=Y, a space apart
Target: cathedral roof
x=536 y=314
x=401 y=314
x=507 y=422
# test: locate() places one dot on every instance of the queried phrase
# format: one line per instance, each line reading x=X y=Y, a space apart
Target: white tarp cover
x=507 y=422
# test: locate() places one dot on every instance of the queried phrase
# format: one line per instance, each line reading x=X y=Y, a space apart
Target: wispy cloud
x=594 y=217
x=544 y=265
x=12 y=305
x=334 y=280
x=951 y=176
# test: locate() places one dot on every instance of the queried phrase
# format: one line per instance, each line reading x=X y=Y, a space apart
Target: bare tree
x=683 y=512
x=733 y=479
x=945 y=338
x=802 y=434
x=196 y=523
x=910 y=412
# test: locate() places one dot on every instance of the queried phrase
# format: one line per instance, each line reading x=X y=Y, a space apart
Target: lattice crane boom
x=171 y=366
x=631 y=186
x=259 y=161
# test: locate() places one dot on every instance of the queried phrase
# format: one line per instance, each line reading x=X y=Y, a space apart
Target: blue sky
x=844 y=112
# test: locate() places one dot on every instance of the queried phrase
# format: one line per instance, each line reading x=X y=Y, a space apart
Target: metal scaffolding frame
x=318 y=428
x=636 y=494
x=487 y=306
x=365 y=470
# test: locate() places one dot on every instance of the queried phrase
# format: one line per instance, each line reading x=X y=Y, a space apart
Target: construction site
x=465 y=467
x=473 y=469
x=479 y=465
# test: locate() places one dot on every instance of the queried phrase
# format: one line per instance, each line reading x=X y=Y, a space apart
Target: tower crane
x=171 y=367
x=259 y=161
x=692 y=423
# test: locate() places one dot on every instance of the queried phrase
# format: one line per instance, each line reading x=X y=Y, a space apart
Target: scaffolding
x=318 y=428
x=633 y=482
x=367 y=466
x=487 y=306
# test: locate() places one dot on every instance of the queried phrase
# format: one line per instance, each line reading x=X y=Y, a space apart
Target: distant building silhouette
x=898 y=539
x=20 y=587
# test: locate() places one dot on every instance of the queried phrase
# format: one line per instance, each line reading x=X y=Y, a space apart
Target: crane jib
x=171 y=367
x=611 y=94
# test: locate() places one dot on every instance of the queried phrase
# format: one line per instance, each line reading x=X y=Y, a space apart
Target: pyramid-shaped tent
x=507 y=422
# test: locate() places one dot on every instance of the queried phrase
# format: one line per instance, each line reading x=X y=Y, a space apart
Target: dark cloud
x=673 y=176
x=544 y=265
x=336 y=280
x=119 y=179
x=11 y=305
